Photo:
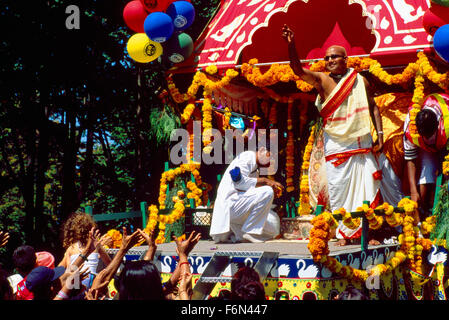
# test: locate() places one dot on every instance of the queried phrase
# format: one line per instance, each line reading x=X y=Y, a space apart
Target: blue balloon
x=158 y=26
x=182 y=13
x=441 y=42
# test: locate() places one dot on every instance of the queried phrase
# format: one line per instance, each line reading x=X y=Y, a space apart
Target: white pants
x=251 y=213
x=429 y=167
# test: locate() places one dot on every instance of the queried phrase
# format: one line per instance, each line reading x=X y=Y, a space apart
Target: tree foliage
x=80 y=122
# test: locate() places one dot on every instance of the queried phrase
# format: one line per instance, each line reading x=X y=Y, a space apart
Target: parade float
x=236 y=75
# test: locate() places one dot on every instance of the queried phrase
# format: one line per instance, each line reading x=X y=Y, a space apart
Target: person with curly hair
x=75 y=235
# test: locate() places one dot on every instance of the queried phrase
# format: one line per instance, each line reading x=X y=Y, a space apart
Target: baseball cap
x=41 y=277
x=45 y=259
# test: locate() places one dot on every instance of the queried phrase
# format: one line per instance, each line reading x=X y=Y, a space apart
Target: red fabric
x=22 y=292
x=344 y=156
x=339 y=97
x=242 y=30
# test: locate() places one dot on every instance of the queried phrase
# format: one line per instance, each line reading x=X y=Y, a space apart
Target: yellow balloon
x=142 y=49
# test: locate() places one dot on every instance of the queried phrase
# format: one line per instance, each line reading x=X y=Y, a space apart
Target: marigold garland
x=375 y=222
x=446 y=165
x=304 y=205
x=290 y=150
x=116 y=237
x=188 y=111
x=347 y=219
x=411 y=245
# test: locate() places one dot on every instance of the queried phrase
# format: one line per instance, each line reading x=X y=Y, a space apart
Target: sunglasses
x=333 y=56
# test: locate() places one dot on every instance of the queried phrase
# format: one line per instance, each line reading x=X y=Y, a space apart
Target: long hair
x=140 y=280
x=76 y=228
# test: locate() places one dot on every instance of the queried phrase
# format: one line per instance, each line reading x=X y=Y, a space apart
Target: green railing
x=102 y=217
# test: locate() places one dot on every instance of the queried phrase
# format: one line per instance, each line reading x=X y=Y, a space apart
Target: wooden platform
x=285 y=248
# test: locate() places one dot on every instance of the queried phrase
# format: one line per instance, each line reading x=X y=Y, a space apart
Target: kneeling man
x=242 y=210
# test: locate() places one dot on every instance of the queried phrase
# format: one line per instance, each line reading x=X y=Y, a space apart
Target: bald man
x=347 y=109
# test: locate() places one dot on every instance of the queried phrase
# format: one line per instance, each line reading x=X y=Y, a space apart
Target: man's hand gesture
x=287 y=33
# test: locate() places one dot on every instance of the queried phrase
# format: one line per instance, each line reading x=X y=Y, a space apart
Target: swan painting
x=309 y=272
x=435 y=257
x=166 y=264
x=201 y=266
x=366 y=261
x=279 y=271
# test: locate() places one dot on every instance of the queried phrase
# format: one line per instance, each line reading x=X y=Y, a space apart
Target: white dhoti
x=251 y=213
x=351 y=168
x=241 y=207
x=349 y=185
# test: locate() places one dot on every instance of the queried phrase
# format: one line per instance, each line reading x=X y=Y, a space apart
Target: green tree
x=80 y=122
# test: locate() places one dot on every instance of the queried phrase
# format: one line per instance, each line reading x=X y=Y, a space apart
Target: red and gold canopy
x=390 y=31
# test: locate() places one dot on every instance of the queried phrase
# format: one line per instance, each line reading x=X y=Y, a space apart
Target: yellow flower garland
x=348 y=221
x=411 y=246
x=446 y=165
x=188 y=111
x=375 y=222
x=304 y=205
x=290 y=150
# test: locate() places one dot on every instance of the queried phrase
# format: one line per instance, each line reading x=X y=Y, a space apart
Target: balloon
x=142 y=49
x=134 y=15
x=156 y=5
x=441 y=2
x=182 y=13
x=435 y=17
x=158 y=26
x=178 y=48
x=441 y=42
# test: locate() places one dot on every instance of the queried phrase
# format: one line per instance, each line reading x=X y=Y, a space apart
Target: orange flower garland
x=195 y=193
x=411 y=245
x=348 y=221
x=304 y=205
x=207 y=122
x=188 y=111
x=392 y=218
x=442 y=80
x=446 y=165
x=375 y=222
x=290 y=150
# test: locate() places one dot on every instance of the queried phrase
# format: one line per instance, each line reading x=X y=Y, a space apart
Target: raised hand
x=149 y=256
x=287 y=34
x=186 y=246
x=130 y=241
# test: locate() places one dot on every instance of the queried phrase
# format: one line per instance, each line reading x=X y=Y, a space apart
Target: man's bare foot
x=342 y=242
x=374 y=242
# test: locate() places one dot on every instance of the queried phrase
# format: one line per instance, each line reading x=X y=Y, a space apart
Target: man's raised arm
x=313 y=78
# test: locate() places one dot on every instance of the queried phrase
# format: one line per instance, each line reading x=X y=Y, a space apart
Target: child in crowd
x=75 y=233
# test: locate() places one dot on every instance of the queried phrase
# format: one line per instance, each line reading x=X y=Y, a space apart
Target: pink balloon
x=134 y=15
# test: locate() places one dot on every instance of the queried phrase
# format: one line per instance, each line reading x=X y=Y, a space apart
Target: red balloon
x=156 y=5
x=435 y=17
x=134 y=15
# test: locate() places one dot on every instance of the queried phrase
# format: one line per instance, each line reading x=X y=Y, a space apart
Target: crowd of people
x=87 y=271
